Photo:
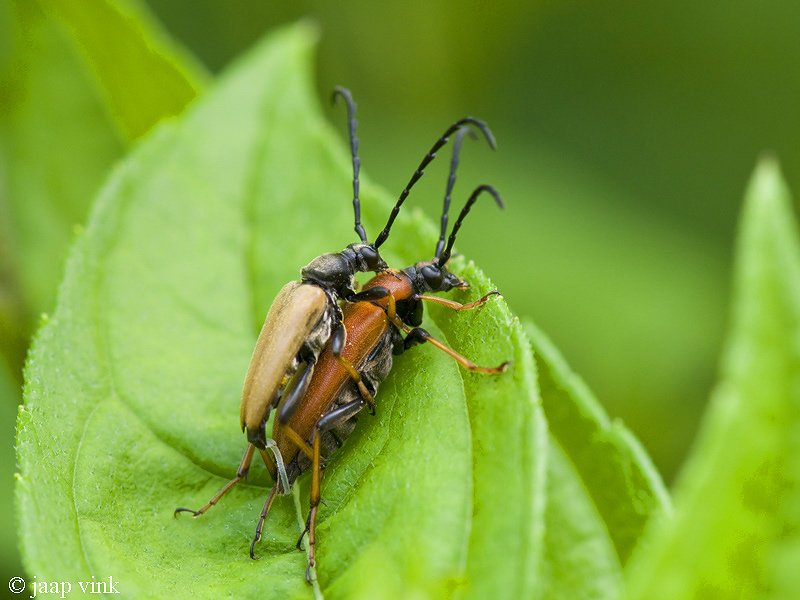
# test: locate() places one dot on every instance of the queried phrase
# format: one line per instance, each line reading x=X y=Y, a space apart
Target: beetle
x=359 y=357
x=306 y=314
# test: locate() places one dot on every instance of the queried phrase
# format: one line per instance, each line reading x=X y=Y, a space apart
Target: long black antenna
x=425 y=162
x=351 y=116
x=451 y=181
x=441 y=260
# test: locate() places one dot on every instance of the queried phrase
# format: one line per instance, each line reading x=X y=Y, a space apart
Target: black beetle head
x=367 y=258
x=429 y=276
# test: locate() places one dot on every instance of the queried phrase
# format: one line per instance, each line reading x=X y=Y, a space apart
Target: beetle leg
x=340 y=415
x=298 y=386
x=311 y=523
x=419 y=335
x=379 y=293
x=366 y=395
x=373 y=293
x=299 y=442
x=273 y=492
x=335 y=417
x=456 y=305
x=397 y=341
x=338 y=341
x=268 y=461
x=244 y=467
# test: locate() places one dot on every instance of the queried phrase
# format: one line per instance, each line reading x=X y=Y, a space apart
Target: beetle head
x=366 y=258
x=430 y=276
x=433 y=276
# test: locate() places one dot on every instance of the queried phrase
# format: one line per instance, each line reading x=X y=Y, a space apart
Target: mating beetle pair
x=319 y=364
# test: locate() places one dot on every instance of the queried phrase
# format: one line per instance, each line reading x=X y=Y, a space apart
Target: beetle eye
x=432 y=275
x=371 y=257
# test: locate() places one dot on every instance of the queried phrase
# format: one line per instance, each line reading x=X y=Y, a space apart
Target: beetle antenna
x=441 y=260
x=351 y=117
x=425 y=162
x=451 y=181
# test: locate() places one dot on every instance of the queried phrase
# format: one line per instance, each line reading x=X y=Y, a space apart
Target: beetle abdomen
x=373 y=372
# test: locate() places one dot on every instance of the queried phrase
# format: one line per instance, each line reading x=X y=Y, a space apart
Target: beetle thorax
x=331 y=270
x=397 y=282
x=336 y=271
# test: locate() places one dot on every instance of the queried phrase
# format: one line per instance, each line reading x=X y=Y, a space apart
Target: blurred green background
x=626 y=134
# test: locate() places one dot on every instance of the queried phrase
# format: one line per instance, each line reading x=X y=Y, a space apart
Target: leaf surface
x=69 y=91
x=143 y=75
x=617 y=473
x=133 y=387
x=601 y=486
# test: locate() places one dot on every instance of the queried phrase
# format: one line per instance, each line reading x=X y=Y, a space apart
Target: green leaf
x=143 y=74
x=509 y=449
x=737 y=503
x=57 y=141
x=133 y=386
x=602 y=487
x=617 y=473
x=54 y=156
x=10 y=396
x=580 y=560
